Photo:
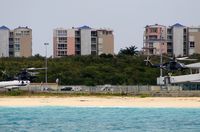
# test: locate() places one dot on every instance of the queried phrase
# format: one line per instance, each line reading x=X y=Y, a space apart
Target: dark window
x=93 y=52
x=169 y=37
x=93 y=47
x=11 y=46
x=78 y=53
x=153 y=30
x=153 y=37
x=93 y=33
x=78 y=47
x=77 y=33
x=62 y=46
x=169 y=31
x=77 y=40
x=192 y=44
x=94 y=40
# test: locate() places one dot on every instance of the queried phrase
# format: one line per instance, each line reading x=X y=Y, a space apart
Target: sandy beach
x=150 y=102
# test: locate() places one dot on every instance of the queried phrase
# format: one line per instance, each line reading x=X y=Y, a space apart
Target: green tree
x=132 y=50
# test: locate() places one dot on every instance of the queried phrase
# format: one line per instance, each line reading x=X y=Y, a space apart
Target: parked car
x=69 y=88
x=66 y=89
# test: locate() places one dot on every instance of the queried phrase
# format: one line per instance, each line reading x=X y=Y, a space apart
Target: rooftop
x=85 y=27
x=177 y=25
x=4 y=28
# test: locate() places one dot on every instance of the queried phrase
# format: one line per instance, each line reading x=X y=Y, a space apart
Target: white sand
x=151 y=102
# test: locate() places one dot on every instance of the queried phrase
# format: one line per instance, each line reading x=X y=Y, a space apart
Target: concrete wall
x=4 y=43
x=105 y=43
x=194 y=36
x=23 y=37
x=85 y=41
x=26 y=46
x=178 y=41
x=70 y=42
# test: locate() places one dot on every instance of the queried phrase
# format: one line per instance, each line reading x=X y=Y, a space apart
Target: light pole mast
x=46 y=44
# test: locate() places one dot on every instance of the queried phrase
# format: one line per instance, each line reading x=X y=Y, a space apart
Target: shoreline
x=93 y=101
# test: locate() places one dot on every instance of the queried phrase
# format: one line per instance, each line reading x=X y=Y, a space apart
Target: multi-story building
x=60 y=42
x=173 y=41
x=22 y=42
x=82 y=41
x=15 y=43
x=105 y=41
x=154 y=36
x=194 y=40
x=177 y=39
x=4 y=41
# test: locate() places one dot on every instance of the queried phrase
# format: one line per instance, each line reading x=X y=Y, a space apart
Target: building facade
x=82 y=41
x=4 y=41
x=176 y=40
x=194 y=40
x=15 y=43
x=154 y=36
x=22 y=37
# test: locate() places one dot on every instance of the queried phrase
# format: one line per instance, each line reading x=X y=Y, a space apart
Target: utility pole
x=46 y=44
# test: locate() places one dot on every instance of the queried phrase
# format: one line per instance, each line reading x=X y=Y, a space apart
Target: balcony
x=94 y=33
x=77 y=34
x=93 y=47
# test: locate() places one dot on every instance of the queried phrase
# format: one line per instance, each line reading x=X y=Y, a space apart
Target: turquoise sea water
x=82 y=119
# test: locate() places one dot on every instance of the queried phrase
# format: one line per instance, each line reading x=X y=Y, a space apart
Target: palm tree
x=129 y=51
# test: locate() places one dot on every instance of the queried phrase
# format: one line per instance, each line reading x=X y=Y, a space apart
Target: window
x=169 y=31
x=78 y=53
x=150 y=45
x=169 y=37
x=185 y=38
x=169 y=44
x=18 y=34
x=153 y=30
x=93 y=33
x=11 y=53
x=61 y=32
x=17 y=47
x=77 y=33
x=77 y=40
x=152 y=37
x=93 y=52
x=93 y=47
x=62 y=46
x=62 y=39
x=11 y=46
x=192 y=44
x=62 y=53
x=78 y=47
x=169 y=50
x=185 y=31
x=17 y=40
x=94 y=40
x=11 y=39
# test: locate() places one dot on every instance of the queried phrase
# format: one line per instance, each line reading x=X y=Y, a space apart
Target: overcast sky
x=126 y=17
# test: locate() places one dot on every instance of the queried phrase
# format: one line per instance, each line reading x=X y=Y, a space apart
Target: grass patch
x=144 y=95
x=14 y=93
x=58 y=94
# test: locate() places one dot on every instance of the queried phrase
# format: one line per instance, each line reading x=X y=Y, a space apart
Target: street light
x=46 y=44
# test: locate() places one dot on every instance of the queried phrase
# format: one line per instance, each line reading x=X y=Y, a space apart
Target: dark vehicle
x=66 y=89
